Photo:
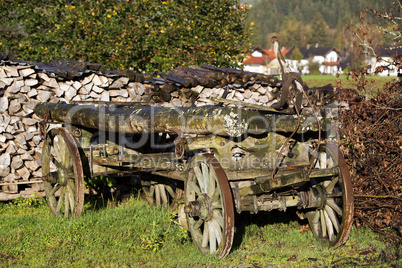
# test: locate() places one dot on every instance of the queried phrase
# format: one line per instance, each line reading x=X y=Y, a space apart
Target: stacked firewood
x=24 y=84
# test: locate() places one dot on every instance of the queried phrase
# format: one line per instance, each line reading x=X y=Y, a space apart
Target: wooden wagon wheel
x=164 y=192
x=209 y=206
x=62 y=174
x=332 y=220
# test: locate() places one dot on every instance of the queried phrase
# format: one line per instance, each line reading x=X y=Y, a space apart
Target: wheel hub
x=201 y=208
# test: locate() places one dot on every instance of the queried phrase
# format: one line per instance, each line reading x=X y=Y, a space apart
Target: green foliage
x=29 y=202
x=313 y=67
x=296 y=55
x=155 y=239
x=145 y=35
x=98 y=183
x=319 y=30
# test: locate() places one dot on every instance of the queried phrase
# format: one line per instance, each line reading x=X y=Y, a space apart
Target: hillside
x=305 y=22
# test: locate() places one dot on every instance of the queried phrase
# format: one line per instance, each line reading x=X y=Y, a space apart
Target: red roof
x=267 y=56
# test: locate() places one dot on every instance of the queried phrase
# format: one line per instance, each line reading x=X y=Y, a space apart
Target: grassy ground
x=374 y=82
x=133 y=234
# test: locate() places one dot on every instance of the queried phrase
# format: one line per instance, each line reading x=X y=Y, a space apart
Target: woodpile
x=24 y=84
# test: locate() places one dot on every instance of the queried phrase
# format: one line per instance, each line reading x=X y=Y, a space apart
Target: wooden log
x=3 y=104
x=118 y=92
x=31 y=82
x=199 y=78
x=14 y=107
x=4 y=171
x=25 y=89
x=11 y=71
x=174 y=79
x=77 y=85
x=178 y=73
x=70 y=93
x=5 y=161
x=16 y=86
x=7 y=81
x=97 y=89
x=215 y=75
x=32 y=93
x=16 y=162
x=44 y=77
x=44 y=95
x=97 y=80
x=139 y=119
x=23 y=173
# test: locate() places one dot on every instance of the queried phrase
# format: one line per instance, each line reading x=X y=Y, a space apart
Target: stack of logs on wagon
x=24 y=84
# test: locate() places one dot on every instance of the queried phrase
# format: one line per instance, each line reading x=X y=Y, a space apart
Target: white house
x=384 y=59
x=327 y=58
x=264 y=61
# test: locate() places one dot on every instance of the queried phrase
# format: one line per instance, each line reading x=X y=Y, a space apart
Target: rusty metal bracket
x=180 y=143
x=77 y=132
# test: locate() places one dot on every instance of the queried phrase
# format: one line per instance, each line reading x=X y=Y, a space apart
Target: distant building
x=262 y=61
x=328 y=59
x=384 y=59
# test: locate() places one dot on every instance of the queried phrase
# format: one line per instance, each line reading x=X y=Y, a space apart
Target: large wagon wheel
x=164 y=192
x=209 y=206
x=332 y=220
x=62 y=173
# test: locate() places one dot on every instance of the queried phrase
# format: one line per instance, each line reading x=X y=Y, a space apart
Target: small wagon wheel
x=62 y=174
x=209 y=206
x=332 y=220
x=161 y=192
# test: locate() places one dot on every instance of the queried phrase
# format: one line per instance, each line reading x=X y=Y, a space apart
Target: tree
x=296 y=54
x=147 y=36
x=318 y=30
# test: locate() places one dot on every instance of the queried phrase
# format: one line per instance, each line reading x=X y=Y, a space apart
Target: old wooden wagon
x=228 y=159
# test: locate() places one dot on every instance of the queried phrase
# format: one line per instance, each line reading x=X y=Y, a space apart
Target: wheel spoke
x=54 y=190
x=212 y=238
x=197 y=224
x=66 y=203
x=331 y=185
x=157 y=195
x=211 y=186
x=164 y=197
x=196 y=189
x=205 y=235
x=199 y=177
x=217 y=230
x=216 y=205
x=71 y=190
x=218 y=217
x=61 y=199
x=323 y=224
x=205 y=176
x=170 y=191
x=316 y=217
x=334 y=206
x=216 y=196
x=329 y=225
x=333 y=218
x=334 y=195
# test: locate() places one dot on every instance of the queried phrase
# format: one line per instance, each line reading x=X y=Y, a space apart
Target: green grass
x=133 y=234
x=374 y=81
